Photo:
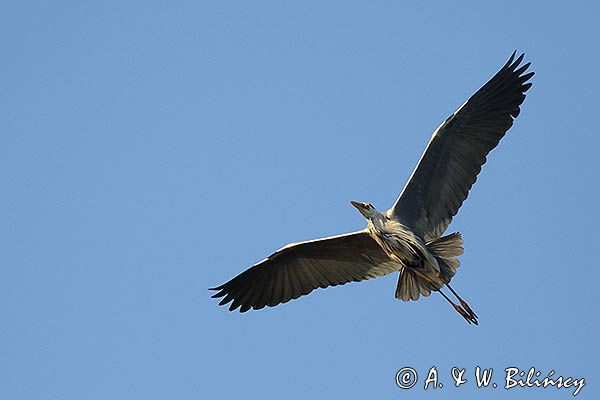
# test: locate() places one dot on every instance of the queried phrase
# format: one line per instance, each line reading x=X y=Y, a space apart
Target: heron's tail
x=446 y=249
x=414 y=282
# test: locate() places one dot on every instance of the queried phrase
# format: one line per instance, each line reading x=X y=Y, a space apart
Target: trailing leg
x=463 y=303
x=468 y=317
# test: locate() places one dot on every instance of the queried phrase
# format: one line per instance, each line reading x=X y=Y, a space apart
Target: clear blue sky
x=152 y=150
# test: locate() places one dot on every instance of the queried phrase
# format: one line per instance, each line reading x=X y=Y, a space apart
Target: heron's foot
x=469 y=317
x=473 y=319
x=472 y=316
x=462 y=312
x=468 y=309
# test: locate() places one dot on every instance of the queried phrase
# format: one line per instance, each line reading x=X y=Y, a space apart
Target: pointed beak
x=358 y=205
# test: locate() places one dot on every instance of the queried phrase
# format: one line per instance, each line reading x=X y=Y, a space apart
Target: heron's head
x=366 y=209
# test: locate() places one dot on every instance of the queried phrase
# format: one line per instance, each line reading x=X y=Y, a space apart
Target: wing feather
x=299 y=268
x=457 y=150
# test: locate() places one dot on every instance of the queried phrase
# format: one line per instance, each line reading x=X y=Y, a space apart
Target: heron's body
x=408 y=237
x=398 y=241
x=424 y=266
x=404 y=247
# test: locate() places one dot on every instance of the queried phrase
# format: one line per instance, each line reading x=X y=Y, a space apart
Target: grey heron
x=407 y=238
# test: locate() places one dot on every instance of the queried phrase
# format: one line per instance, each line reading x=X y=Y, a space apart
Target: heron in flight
x=408 y=237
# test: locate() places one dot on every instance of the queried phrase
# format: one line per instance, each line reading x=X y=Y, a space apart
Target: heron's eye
x=368 y=205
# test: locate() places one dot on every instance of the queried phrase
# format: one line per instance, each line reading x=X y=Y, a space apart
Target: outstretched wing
x=457 y=150
x=299 y=268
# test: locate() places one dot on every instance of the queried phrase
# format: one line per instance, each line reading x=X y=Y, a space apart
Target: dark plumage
x=457 y=150
x=299 y=268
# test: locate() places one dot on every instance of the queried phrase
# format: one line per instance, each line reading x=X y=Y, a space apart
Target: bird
x=408 y=238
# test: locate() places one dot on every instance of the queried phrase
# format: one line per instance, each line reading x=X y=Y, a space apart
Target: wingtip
x=244 y=308
x=514 y=59
x=518 y=60
x=526 y=87
x=218 y=294
x=224 y=301
x=511 y=58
